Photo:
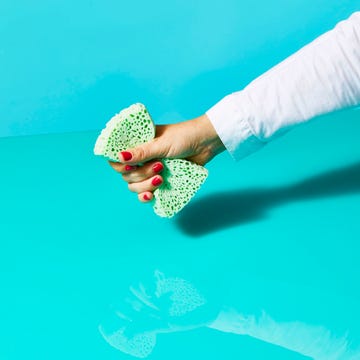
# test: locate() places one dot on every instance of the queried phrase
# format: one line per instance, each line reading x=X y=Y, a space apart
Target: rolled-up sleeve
x=322 y=77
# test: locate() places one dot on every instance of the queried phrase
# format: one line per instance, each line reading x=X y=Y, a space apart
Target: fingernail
x=157 y=167
x=156 y=181
x=129 y=167
x=146 y=197
x=126 y=155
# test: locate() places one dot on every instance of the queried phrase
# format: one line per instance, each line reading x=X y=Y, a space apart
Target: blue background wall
x=70 y=65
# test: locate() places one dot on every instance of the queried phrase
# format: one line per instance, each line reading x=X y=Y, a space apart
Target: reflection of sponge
x=184 y=297
x=182 y=178
x=141 y=345
x=172 y=305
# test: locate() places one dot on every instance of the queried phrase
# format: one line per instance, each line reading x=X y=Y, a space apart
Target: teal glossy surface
x=275 y=234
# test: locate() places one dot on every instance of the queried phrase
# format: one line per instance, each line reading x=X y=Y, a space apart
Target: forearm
x=322 y=77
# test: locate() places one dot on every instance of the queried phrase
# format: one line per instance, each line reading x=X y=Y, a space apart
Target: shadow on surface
x=226 y=209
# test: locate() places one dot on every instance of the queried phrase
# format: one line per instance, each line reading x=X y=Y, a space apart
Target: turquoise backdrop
x=70 y=65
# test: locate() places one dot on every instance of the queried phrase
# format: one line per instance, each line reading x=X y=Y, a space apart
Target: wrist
x=210 y=139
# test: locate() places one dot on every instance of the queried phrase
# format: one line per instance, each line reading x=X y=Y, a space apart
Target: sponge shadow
x=226 y=209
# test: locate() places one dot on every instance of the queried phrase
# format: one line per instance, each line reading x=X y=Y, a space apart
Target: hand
x=195 y=140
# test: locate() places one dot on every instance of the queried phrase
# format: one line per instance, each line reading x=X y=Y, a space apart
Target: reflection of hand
x=173 y=304
x=195 y=140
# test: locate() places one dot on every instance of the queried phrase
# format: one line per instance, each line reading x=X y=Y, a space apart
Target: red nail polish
x=156 y=181
x=146 y=197
x=157 y=167
x=129 y=167
x=126 y=155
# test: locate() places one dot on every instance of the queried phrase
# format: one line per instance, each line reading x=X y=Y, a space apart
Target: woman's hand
x=195 y=140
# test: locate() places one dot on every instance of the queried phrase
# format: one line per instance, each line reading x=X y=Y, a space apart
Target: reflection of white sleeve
x=322 y=77
x=313 y=341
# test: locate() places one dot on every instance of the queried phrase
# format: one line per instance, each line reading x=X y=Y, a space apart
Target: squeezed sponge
x=130 y=128
x=182 y=178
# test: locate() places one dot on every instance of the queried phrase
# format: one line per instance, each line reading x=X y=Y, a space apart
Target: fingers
x=122 y=168
x=143 y=172
x=134 y=173
x=145 y=196
x=144 y=153
x=142 y=180
x=146 y=186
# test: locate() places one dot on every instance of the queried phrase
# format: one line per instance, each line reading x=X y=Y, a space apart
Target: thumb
x=142 y=153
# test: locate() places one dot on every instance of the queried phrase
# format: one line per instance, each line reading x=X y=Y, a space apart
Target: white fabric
x=322 y=77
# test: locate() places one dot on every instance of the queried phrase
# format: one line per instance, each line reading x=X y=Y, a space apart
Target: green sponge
x=132 y=127
x=183 y=179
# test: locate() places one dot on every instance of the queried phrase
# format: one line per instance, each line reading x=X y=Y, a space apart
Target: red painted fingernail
x=129 y=167
x=156 y=181
x=126 y=155
x=146 y=197
x=158 y=167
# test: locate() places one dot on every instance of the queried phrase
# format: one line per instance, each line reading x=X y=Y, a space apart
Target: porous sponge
x=182 y=178
x=130 y=128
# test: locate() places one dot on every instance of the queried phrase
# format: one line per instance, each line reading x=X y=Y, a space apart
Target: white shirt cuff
x=230 y=118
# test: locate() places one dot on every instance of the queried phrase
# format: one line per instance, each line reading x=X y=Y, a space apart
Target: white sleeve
x=322 y=77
